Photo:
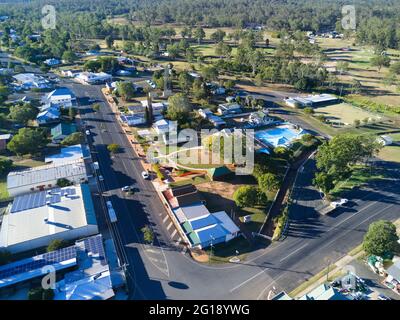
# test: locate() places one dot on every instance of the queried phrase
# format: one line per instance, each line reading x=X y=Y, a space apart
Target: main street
x=163 y=271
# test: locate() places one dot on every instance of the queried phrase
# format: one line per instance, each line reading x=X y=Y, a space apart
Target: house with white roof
x=69 y=154
x=60 y=97
x=229 y=108
x=52 y=62
x=35 y=219
x=46 y=177
x=93 y=78
x=30 y=80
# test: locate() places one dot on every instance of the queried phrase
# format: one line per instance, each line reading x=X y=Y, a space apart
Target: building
x=182 y=196
x=260 y=118
x=49 y=115
x=203 y=228
x=61 y=131
x=60 y=97
x=69 y=154
x=324 y=292
x=219 y=173
x=68 y=73
x=133 y=119
x=393 y=275
x=30 y=80
x=215 y=120
x=4 y=139
x=45 y=177
x=158 y=108
x=52 y=62
x=282 y=296
x=229 y=108
x=84 y=266
x=312 y=101
x=37 y=218
x=93 y=78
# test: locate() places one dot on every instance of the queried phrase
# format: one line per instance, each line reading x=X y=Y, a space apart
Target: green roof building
x=62 y=130
x=219 y=173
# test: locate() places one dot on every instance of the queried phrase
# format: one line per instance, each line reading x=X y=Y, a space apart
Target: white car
x=101 y=178
x=87 y=132
x=339 y=203
x=145 y=175
x=127 y=188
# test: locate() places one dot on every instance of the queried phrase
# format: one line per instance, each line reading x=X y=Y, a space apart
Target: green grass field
x=3 y=189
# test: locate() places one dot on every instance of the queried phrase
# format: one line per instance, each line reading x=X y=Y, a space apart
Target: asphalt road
x=163 y=271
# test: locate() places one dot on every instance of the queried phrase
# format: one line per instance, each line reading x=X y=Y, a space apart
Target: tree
x=218 y=36
x=309 y=110
x=148 y=234
x=72 y=113
x=72 y=139
x=246 y=196
x=199 y=34
x=324 y=182
x=179 y=108
x=40 y=294
x=22 y=113
x=380 y=61
x=126 y=90
x=337 y=156
x=209 y=73
x=5 y=165
x=268 y=182
x=395 y=68
x=69 y=56
x=113 y=148
x=109 y=41
x=96 y=107
x=223 y=50
x=56 y=244
x=64 y=182
x=173 y=50
x=381 y=238
x=185 y=82
x=27 y=141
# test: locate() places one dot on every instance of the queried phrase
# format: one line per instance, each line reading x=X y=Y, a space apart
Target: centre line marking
x=293 y=252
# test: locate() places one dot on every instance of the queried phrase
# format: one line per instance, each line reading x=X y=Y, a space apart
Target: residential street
x=164 y=272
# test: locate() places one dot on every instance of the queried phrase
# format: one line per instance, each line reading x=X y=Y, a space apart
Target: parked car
x=101 y=178
x=336 y=204
x=382 y=297
x=145 y=175
x=87 y=132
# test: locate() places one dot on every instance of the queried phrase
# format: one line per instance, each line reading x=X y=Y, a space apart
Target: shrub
x=113 y=148
x=56 y=244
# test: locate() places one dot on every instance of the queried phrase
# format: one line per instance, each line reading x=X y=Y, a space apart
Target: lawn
x=3 y=189
x=360 y=176
x=221 y=253
x=344 y=114
x=390 y=153
x=195 y=181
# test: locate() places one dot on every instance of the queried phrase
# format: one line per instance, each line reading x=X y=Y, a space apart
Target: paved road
x=162 y=271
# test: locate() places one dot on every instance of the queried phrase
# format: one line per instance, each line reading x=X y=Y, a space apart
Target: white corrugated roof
x=45 y=173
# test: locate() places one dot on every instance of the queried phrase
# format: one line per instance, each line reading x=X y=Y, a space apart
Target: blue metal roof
x=215 y=234
x=203 y=222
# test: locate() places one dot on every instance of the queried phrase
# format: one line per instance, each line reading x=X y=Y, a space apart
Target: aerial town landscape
x=199 y=150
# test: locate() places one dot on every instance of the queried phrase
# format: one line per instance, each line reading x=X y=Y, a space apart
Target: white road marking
x=169 y=226
x=293 y=252
x=173 y=233
x=165 y=219
x=248 y=280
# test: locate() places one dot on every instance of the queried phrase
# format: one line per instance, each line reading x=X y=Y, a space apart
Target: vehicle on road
x=341 y=202
x=111 y=212
x=145 y=175
x=128 y=188
x=382 y=297
x=87 y=132
x=101 y=178
x=92 y=100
